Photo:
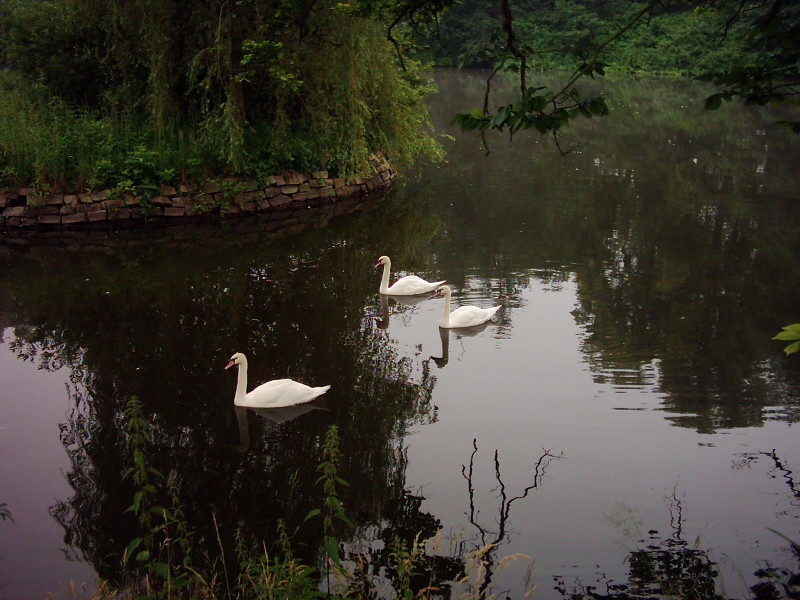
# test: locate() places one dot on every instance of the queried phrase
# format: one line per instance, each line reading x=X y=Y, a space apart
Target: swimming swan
x=463 y=316
x=272 y=394
x=405 y=286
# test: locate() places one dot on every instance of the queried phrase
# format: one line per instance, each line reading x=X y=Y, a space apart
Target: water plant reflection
x=486 y=545
x=778 y=470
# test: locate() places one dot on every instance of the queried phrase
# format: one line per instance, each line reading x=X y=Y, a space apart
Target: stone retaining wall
x=283 y=198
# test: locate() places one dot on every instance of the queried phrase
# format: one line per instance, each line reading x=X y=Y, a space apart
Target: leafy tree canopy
x=254 y=84
x=748 y=48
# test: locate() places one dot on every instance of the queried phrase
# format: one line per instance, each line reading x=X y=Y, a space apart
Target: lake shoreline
x=283 y=199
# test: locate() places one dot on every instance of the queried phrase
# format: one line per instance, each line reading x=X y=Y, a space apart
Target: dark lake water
x=624 y=414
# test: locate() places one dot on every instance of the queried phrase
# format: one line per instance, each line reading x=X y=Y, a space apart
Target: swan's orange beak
x=378 y=264
x=230 y=364
x=436 y=294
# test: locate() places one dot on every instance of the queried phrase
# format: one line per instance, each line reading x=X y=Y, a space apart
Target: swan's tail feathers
x=318 y=391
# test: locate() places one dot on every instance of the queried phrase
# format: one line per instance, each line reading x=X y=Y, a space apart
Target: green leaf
x=161 y=569
x=457 y=119
x=138 y=458
x=342 y=517
x=500 y=118
x=180 y=582
x=792 y=348
x=787 y=335
x=137 y=500
x=311 y=514
x=790 y=332
x=598 y=106
x=332 y=550
x=143 y=555
x=535 y=104
x=160 y=511
x=134 y=543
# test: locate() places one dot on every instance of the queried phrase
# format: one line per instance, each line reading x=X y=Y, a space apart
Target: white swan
x=463 y=316
x=272 y=394
x=409 y=285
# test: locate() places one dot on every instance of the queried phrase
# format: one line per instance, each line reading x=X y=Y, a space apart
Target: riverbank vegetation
x=140 y=93
x=134 y=94
x=162 y=562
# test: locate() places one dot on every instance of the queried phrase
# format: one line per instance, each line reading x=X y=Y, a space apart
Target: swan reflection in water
x=444 y=335
x=383 y=321
x=276 y=415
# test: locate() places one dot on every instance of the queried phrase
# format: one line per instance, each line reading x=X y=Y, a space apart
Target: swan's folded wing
x=466 y=316
x=411 y=284
x=273 y=383
x=280 y=392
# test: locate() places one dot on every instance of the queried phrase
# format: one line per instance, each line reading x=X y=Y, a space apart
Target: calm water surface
x=626 y=409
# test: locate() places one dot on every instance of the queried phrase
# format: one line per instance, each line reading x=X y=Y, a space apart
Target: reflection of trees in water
x=664 y=567
x=668 y=567
x=695 y=281
x=159 y=321
x=371 y=554
x=778 y=470
x=680 y=233
x=699 y=291
x=486 y=545
x=466 y=570
x=82 y=514
x=778 y=581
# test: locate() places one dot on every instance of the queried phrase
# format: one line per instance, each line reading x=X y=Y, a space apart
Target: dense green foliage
x=125 y=93
x=559 y=34
x=749 y=49
x=790 y=333
x=133 y=94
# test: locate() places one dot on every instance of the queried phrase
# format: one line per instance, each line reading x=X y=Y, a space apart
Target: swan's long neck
x=385 y=279
x=241 y=384
x=444 y=321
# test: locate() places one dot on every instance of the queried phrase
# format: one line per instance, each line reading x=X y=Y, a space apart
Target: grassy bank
x=46 y=142
x=164 y=561
x=139 y=94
